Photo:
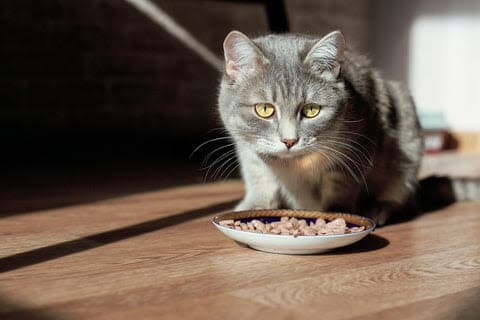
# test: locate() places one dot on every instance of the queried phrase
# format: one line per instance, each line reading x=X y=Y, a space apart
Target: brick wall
x=99 y=67
x=352 y=17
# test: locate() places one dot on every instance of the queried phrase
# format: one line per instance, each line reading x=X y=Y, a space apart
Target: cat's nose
x=289 y=142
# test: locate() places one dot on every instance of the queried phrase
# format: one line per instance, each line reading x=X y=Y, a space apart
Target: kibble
x=293 y=226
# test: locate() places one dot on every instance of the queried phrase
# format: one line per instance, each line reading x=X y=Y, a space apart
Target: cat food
x=293 y=226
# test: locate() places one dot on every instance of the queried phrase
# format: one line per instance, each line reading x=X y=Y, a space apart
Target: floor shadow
x=469 y=307
x=46 y=186
x=79 y=170
x=14 y=311
x=371 y=242
x=434 y=193
x=66 y=248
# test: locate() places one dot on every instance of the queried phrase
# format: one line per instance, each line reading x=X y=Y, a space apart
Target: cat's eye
x=264 y=110
x=310 y=110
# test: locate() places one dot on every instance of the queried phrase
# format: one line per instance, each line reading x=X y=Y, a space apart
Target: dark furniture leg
x=277 y=15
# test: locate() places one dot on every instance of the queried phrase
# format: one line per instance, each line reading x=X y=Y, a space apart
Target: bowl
x=289 y=244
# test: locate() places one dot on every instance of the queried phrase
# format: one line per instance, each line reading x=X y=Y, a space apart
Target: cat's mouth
x=288 y=154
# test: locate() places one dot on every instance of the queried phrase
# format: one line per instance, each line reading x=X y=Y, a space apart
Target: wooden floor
x=155 y=255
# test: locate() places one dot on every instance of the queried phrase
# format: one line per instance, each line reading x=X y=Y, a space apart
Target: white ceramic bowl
x=288 y=244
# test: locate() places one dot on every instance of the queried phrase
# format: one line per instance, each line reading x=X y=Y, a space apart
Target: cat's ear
x=242 y=56
x=326 y=55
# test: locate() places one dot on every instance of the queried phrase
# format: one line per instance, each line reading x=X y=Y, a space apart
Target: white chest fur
x=300 y=180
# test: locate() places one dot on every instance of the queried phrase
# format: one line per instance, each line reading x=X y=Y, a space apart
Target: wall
x=101 y=66
x=94 y=68
x=433 y=46
x=352 y=17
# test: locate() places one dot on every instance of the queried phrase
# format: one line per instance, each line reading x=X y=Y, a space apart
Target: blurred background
x=101 y=98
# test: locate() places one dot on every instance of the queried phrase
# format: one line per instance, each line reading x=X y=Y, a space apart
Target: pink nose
x=289 y=142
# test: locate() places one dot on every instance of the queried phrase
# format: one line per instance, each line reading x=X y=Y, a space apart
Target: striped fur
x=360 y=154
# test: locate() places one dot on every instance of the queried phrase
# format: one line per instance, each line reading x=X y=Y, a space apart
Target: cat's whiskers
x=354 y=150
x=357 y=165
x=359 y=135
x=366 y=151
x=331 y=162
x=218 y=129
x=219 y=158
x=207 y=142
x=231 y=171
x=224 y=163
x=341 y=157
x=359 y=154
x=227 y=163
x=341 y=154
x=336 y=161
x=216 y=161
x=226 y=168
x=215 y=150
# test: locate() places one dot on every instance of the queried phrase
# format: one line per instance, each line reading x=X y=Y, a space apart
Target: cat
x=316 y=127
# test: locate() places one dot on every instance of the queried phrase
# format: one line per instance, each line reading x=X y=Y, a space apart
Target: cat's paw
x=250 y=205
x=380 y=213
x=380 y=217
x=244 y=205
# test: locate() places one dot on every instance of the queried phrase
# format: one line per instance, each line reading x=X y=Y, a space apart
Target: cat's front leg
x=383 y=212
x=257 y=203
x=260 y=193
x=380 y=212
x=262 y=190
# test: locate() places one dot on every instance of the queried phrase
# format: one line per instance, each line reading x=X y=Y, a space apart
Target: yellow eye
x=311 y=110
x=264 y=110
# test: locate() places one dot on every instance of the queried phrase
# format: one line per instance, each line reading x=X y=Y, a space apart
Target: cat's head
x=279 y=93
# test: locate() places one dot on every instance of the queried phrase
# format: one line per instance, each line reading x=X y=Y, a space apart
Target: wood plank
x=156 y=255
x=458 y=305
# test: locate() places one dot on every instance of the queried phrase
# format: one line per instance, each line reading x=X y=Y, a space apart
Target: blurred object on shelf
x=438 y=140
x=439 y=137
x=436 y=135
x=432 y=120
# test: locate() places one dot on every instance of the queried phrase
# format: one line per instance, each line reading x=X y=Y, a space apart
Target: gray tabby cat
x=316 y=127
